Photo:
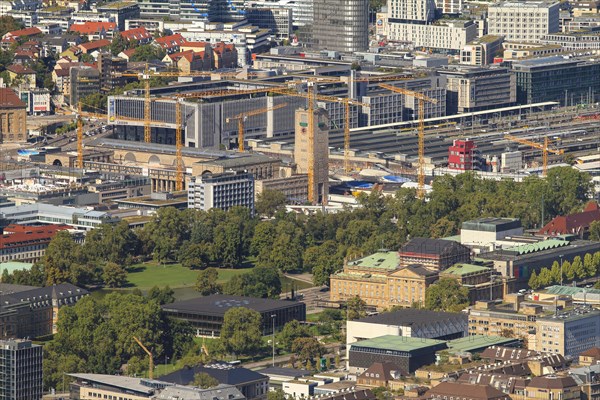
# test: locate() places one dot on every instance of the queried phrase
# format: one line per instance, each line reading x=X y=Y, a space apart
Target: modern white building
x=443 y=35
x=486 y=232
x=222 y=191
x=411 y=11
x=41 y=213
x=524 y=21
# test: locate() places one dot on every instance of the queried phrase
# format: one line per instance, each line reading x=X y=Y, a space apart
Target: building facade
x=13 y=117
x=21 y=367
x=84 y=81
x=27 y=243
x=475 y=89
x=342 y=26
x=222 y=191
x=526 y=21
x=446 y=35
x=319 y=159
x=481 y=51
x=569 y=333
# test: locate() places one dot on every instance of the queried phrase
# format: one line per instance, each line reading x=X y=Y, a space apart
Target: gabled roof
x=552 y=382
x=573 y=223
x=507 y=353
x=19 y=69
x=221 y=47
x=171 y=41
x=432 y=247
x=128 y=53
x=465 y=391
x=136 y=34
x=382 y=371
x=29 y=235
x=24 y=32
x=25 y=294
x=93 y=27
x=9 y=99
x=593 y=352
x=96 y=44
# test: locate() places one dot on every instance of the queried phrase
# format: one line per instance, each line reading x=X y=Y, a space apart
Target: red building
x=461 y=155
x=573 y=224
x=27 y=243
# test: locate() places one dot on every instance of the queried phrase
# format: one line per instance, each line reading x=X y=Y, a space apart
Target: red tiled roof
x=93 y=27
x=171 y=41
x=24 y=236
x=24 y=32
x=19 y=69
x=9 y=99
x=136 y=34
x=573 y=223
x=221 y=47
x=593 y=352
x=128 y=52
x=96 y=44
x=200 y=45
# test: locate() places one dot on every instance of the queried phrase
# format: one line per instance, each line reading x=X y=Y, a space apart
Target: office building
x=523 y=21
x=13 y=117
x=513 y=320
x=585 y=40
x=569 y=333
x=27 y=243
x=205 y=314
x=28 y=311
x=222 y=191
x=447 y=35
x=412 y=11
x=41 y=213
x=84 y=82
x=385 y=108
x=476 y=89
x=319 y=159
x=20 y=370
x=340 y=26
x=120 y=11
x=555 y=78
x=481 y=51
x=111 y=69
x=277 y=19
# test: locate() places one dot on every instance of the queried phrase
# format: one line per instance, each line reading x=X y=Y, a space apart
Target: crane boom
x=422 y=99
x=178 y=146
x=544 y=147
x=150 y=357
x=241 y=117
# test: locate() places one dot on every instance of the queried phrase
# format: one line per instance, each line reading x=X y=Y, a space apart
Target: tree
x=194 y=255
x=446 y=295
x=568 y=271
x=307 y=349
x=241 y=331
x=60 y=255
x=534 y=282
x=114 y=275
x=204 y=381
x=277 y=394
x=118 y=44
x=290 y=332
x=595 y=231
x=147 y=52
x=323 y=261
x=269 y=201
x=578 y=268
x=165 y=295
x=260 y=282
x=356 y=308
x=590 y=267
x=206 y=283
x=545 y=278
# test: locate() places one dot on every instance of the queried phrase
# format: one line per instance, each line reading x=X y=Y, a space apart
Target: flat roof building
x=222 y=191
x=407 y=353
x=21 y=366
x=569 y=333
x=205 y=314
x=526 y=21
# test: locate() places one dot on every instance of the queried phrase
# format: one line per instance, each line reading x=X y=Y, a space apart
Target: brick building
x=13 y=117
x=437 y=254
x=27 y=243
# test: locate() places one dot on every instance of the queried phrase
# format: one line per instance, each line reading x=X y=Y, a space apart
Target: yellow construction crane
x=312 y=98
x=150 y=358
x=242 y=117
x=544 y=147
x=422 y=99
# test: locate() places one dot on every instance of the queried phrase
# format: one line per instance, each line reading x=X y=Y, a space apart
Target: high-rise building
x=411 y=11
x=523 y=21
x=223 y=191
x=340 y=26
x=320 y=151
x=20 y=370
x=84 y=81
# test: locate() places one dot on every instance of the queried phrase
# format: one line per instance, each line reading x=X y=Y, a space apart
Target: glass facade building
x=20 y=370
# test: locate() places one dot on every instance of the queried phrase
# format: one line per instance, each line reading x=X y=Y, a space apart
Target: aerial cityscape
x=299 y=199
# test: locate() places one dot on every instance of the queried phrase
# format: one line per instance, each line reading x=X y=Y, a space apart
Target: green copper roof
x=476 y=343
x=464 y=269
x=387 y=260
x=398 y=343
x=539 y=246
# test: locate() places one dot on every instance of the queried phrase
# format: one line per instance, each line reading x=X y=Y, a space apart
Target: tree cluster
x=571 y=271
x=96 y=336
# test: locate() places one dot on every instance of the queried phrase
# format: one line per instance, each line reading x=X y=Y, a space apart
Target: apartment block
x=475 y=89
x=277 y=19
x=222 y=191
x=412 y=11
x=443 y=35
x=526 y=21
x=20 y=370
x=481 y=51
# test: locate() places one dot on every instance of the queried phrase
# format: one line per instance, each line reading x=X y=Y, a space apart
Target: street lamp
x=273 y=319
x=561 y=269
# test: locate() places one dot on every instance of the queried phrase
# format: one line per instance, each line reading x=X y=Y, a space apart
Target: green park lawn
x=146 y=275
